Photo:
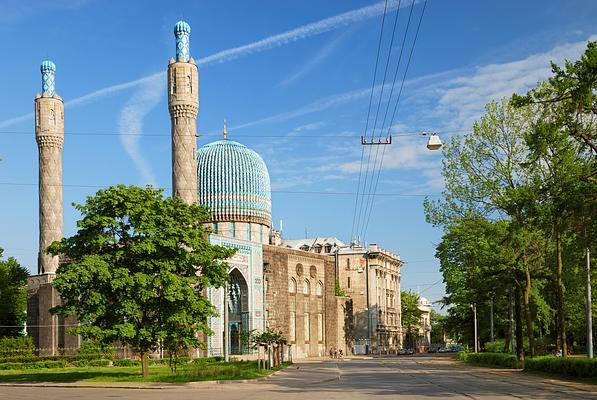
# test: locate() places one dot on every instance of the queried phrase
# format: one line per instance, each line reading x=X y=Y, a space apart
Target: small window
x=292 y=286
x=214 y=227
x=232 y=229
x=348 y=282
x=319 y=288
x=328 y=248
x=248 y=232
x=306 y=288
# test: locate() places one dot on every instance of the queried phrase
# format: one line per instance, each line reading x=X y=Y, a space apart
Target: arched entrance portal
x=238 y=313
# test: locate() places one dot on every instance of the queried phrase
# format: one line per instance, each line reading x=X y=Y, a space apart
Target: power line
x=370 y=199
x=368 y=114
x=396 y=105
x=305 y=192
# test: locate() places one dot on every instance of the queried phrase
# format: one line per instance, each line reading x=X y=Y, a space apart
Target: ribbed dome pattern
x=234 y=183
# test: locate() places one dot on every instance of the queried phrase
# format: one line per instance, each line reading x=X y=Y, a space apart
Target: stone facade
x=183 y=104
x=371 y=278
x=49 y=332
x=49 y=134
x=301 y=301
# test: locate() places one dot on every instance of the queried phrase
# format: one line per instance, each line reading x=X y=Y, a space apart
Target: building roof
x=309 y=244
x=234 y=183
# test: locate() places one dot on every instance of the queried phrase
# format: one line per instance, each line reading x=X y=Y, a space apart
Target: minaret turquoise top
x=182 y=31
x=48 y=78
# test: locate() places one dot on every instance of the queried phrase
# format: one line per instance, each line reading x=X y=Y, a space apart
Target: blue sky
x=292 y=78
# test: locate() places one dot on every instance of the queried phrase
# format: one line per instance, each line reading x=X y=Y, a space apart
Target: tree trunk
x=560 y=292
x=518 y=317
x=527 y=310
x=145 y=364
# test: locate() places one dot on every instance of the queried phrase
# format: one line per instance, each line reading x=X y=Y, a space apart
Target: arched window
x=292 y=286
x=307 y=287
x=319 y=288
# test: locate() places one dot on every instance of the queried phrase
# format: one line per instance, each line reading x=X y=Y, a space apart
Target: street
x=403 y=378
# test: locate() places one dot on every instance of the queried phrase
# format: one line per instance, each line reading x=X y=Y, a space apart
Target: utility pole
x=491 y=318
x=225 y=336
x=588 y=308
x=475 y=321
x=511 y=317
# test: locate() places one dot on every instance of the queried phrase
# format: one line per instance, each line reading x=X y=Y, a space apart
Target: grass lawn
x=191 y=372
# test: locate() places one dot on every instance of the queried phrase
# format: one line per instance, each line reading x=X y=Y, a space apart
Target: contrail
x=303 y=32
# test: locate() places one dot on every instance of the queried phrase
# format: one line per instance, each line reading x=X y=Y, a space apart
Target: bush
x=16 y=346
x=93 y=349
x=127 y=363
x=490 y=359
x=34 y=365
x=570 y=366
x=495 y=347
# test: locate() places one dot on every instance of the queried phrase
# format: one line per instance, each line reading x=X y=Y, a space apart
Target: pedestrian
x=335 y=353
x=340 y=353
x=331 y=352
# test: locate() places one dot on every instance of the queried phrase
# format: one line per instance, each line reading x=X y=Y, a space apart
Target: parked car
x=404 y=352
x=456 y=348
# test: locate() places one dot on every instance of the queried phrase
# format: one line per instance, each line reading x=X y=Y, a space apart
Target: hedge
x=490 y=359
x=574 y=367
x=16 y=346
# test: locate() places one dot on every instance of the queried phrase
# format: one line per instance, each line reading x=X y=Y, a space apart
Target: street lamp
x=433 y=143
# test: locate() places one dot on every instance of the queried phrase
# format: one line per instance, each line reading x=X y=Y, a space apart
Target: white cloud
x=130 y=124
x=314 y=61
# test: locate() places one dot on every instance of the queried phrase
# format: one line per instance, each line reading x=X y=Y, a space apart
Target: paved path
x=385 y=378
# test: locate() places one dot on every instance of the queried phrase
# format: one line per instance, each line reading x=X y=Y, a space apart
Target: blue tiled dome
x=182 y=27
x=234 y=183
x=48 y=65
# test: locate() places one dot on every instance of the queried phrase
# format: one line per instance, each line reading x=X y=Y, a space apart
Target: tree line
x=519 y=215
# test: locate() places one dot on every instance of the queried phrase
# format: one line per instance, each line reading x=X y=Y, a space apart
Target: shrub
x=570 y=366
x=127 y=363
x=495 y=347
x=490 y=359
x=16 y=346
x=93 y=349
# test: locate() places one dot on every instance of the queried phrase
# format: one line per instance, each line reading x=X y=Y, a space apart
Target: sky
x=294 y=80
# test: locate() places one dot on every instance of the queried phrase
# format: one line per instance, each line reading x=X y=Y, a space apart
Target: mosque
x=320 y=293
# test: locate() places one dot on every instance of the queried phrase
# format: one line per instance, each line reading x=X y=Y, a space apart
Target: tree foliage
x=519 y=211
x=13 y=296
x=136 y=270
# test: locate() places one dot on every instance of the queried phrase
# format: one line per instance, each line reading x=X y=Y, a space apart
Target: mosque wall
x=301 y=302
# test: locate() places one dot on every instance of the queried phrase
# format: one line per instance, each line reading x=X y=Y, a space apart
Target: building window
x=348 y=282
x=319 y=288
x=232 y=229
x=261 y=233
x=307 y=327
x=328 y=248
x=306 y=287
x=348 y=263
x=214 y=227
x=248 y=232
x=293 y=326
x=304 y=247
x=320 y=327
x=292 y=286
x=318 y=248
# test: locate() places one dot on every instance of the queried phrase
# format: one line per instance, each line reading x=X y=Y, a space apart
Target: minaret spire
x=225 y=132
x=183 y=104
x=49 y=134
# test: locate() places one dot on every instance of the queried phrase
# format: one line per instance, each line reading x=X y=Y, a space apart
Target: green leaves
x=138 y=265
x=13 y=296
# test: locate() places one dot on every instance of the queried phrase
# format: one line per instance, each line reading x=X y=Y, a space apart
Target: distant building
x=370 y=277
x=424 y=339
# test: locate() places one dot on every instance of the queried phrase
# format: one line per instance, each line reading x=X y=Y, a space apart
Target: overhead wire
x=383 y=18
x=396 y=105
x=370 y=199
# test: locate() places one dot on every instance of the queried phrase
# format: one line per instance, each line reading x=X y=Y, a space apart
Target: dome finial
x=182 y=31
x=48 y=78
x=225 y=132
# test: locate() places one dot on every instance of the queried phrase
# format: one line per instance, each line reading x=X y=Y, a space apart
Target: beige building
x=370 y=277
x=424 y=339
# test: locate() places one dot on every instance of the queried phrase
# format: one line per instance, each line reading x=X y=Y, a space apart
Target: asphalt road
x=395 y=378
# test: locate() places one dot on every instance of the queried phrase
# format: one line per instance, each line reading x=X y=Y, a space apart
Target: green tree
x=13 y=296
x=137 y=268
x=410 y=314
x=563 y=156
x=438 y=328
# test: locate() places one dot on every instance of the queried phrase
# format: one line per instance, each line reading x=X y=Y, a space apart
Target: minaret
x=49 y=134
x=183 y=104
